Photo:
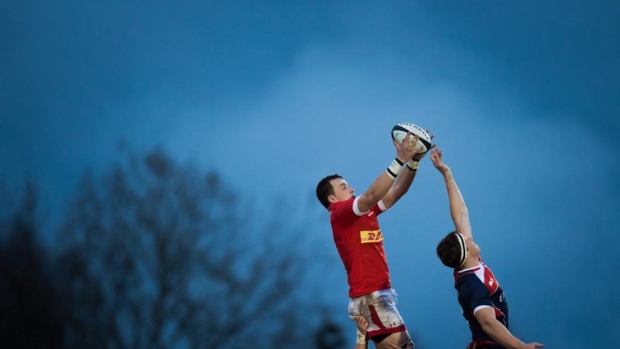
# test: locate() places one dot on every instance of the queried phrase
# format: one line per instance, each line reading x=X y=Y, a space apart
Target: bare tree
x=26 y=294
x=160 y=255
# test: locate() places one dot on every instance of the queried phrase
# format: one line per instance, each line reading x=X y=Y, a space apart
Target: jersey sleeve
x=378 y=208
x=343 y=212
x=355 y=208
x=475 y=293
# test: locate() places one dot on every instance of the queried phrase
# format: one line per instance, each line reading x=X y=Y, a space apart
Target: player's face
x=342 y=190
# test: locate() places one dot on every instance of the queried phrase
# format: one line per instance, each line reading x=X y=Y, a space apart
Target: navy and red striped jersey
x=477 y=287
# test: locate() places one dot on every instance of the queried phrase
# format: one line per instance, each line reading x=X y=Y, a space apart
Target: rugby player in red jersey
x=359 y=241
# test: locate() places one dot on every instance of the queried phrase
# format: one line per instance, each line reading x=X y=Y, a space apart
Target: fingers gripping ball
x=399 y=132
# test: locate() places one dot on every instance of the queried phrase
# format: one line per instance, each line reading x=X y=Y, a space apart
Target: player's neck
x=470 y=262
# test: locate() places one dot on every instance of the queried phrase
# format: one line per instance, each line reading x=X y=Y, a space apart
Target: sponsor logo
x=371 y=236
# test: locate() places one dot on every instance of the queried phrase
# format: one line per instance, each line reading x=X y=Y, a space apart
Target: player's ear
x=332 y=199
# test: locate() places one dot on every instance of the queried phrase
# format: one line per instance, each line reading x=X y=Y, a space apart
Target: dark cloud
x=562 y=56
x=520 y=96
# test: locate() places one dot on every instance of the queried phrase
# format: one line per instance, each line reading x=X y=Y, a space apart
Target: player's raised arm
x=377 y=190
x=497 y=331
x=405 y=178
x=458 y=209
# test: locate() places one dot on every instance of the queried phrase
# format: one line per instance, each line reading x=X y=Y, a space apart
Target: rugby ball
x=399 y=132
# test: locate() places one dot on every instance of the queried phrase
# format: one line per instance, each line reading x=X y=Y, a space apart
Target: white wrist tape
x=361 y=338
x=413 y=164
x=394 y=169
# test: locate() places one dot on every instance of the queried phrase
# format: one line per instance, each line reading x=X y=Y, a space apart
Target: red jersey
x=360 y=245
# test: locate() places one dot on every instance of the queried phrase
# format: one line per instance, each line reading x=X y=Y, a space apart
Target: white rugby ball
x=399 y=132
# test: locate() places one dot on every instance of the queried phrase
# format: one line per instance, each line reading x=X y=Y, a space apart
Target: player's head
x=333 y=188
x=453 y=250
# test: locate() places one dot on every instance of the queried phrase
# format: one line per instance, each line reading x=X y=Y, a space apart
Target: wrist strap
x=360 y=338
x=413 y=164
x=394 y=169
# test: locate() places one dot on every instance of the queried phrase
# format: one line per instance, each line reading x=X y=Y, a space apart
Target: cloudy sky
x=521 y=97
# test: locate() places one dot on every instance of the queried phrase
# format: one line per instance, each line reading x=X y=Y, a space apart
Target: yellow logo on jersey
x=370 y=236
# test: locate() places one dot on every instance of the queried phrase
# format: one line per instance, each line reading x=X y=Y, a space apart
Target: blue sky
x=521 y=97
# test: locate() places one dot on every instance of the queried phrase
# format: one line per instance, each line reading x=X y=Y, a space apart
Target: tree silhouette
x=329 y=336
x=27 y=317
x=160 y=255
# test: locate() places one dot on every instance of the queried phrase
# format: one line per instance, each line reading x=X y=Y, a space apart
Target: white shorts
x=379 y=309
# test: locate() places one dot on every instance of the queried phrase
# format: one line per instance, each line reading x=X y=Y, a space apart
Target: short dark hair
x=324 y=189
x=449 y=250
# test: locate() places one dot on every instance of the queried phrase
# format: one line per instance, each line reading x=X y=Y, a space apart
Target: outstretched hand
x=407 y=148
x=438 y=162
x=419 y=156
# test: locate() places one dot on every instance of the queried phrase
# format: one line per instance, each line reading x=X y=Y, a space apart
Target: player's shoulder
x=470 y=284
x=467 y=275
x=342 y=210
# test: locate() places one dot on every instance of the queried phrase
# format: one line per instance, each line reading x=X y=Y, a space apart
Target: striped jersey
x=477 y=287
